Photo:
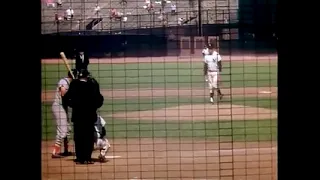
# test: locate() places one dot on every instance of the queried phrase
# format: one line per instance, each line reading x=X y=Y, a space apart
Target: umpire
x=84 y=98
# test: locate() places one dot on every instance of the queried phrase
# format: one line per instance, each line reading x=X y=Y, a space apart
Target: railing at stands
x=136 y=21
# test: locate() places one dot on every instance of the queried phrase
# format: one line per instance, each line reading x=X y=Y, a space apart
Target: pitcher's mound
x=201 y=112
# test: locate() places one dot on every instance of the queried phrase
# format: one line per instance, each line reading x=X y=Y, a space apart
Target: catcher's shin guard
x=103 y=153
x=105 y=149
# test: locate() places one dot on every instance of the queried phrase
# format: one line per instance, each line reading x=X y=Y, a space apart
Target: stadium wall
x=156 y=42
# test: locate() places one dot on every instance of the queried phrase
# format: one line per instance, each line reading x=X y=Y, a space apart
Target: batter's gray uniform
x=60 y=115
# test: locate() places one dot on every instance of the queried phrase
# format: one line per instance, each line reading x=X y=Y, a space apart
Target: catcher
x=101 y=142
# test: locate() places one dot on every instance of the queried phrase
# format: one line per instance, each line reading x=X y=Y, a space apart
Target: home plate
x=112 y=157
x=265 y=92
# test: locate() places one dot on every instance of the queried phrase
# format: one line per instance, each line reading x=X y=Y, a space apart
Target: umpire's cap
x=74 y=72
x=83 y=73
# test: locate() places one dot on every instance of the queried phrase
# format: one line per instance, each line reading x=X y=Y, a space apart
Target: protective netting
x=160 y=121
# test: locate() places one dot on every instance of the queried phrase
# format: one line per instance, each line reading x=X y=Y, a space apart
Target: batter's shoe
x=53 y=156
x=56 y=152
x=211 y=100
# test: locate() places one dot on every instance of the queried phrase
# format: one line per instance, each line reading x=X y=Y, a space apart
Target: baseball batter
x=101 y=142
x=213 y=67
x=205 y=52
x=60 y=113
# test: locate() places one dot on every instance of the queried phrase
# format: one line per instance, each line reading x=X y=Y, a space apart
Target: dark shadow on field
x=96 y=160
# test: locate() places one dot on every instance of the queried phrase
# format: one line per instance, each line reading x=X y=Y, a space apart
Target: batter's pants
x=63 y=126
x=213 y=79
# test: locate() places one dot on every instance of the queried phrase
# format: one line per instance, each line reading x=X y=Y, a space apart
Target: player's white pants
x=213 y=80
x=63 y=126
x=103 y=145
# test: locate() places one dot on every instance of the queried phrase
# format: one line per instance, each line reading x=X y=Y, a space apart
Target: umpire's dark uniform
x=85 y=98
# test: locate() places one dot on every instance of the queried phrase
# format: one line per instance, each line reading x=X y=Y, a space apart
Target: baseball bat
x=65 y=60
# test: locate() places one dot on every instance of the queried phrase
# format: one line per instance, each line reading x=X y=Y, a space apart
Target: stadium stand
x=137 y=17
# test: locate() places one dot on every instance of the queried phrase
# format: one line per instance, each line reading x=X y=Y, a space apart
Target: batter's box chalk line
x=265 y=92
x=112 y=157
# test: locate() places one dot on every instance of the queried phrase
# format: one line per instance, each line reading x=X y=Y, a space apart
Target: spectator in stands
x=162 y=17
x=113 y=13
x=117 y=15
x=226 y=21
x=69 y=14
x=59 y=3
x=173 y=9
x=97 y=9
x=123 y=2
x=163 y=3
x=149 y=6
x=180 y=21
x=50 y=3
x=57 y=19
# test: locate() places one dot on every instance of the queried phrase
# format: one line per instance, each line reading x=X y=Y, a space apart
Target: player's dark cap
x=210 y=46
x=74 y=72
x=83 y=73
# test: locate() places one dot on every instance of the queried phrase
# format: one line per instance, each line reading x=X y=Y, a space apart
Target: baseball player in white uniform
x=101 y=141
x=60 y=113
x=205 y=52
x=214 y=67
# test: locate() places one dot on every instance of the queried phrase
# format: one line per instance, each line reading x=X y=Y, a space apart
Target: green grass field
x=167 y=75
x=245 y=130
x=173 y=75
